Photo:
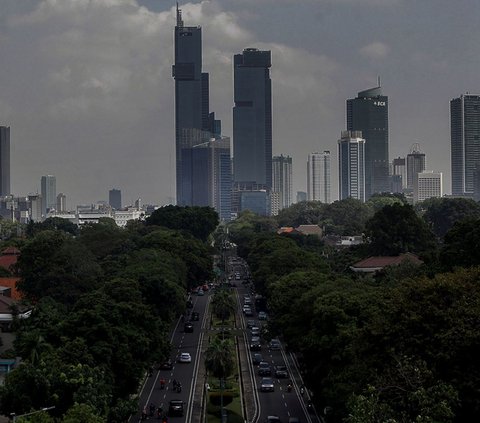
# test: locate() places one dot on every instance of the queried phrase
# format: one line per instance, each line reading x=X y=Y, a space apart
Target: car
x=257 y=358
x=188 y=327
x=266 y=385
x=246 y=307
x=166 y=365
x=273 y=419
x=255 y=345
x=262 y=315
x=255 y=331
x=248 y=312
x=194 y=317
x=205 y=287
x=200 y=292
x=293 y=420
x=274 y=345
x=175 y=408
x=251 y=323
x=185 y=358
x=189 y=303
x=281 y=372
x=264 y=369
x=247 y=301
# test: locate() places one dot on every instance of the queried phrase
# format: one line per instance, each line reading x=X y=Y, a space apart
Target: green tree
x=443 y=213
x=198 y=221
x=397 y=229
x=82 y=413
x=346 y=217
x=219 y=359
x=223 y=304
x=460 y=247
x=302 y=213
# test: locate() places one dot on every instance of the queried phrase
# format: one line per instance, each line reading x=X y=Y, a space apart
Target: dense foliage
x=104 y=299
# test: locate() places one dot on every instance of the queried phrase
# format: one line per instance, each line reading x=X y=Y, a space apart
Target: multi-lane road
x=282 y=402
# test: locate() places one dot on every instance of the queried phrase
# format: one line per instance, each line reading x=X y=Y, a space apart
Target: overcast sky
x=86 y=85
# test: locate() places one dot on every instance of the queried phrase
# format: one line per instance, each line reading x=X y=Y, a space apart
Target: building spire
x=179 y=17
x=378 y=79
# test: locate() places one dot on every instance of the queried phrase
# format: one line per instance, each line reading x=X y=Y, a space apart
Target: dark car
x=175 y=408
x=188 y=327
x=257 y=358
x=273 y=419
x=194 y=316
x=255 y=345
x=274 y=345
x=166 y=365
x=264 y=369
x=281 y=372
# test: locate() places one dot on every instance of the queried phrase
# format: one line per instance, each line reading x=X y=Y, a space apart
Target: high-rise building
x=207 y=168
x=416 y=163
x=61 y=203
x=399 y=168
x=282 y=180
x=4 y=160
x=252 y=118
x=369 y=113
x=115 y=198
x=48 y=187
x=194 y=124
x=318 y=177
x=351 y=165
x=428 y=184
x=301 y=196
x=465 y=142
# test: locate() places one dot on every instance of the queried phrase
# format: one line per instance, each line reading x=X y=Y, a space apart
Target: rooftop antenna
x=378 y=81
x=179 y=17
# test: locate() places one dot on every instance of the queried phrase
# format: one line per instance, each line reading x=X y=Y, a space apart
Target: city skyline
x=102 y=107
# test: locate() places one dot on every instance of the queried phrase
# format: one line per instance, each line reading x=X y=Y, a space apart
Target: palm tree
x=223 y=304
x=219 y=357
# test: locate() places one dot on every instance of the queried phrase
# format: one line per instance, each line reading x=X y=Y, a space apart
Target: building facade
x=4 y=161
x=416 y=163
x=282 y=180
x=61 y=203
x=399 y=168
x=368 y=113
x=351 y=165
x=48 y=189
x=318 y=177
x=428 y=184
x=252 y=118
x=115 y=198
x=465 y=142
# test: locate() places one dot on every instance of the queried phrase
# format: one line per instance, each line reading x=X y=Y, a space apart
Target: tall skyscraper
x=369 y=113
x=399 y=168
x=4 y=160
x=115 y=199
x=428 y=184
x=465 y=142
x=252 y=118
x=416 y=163
x=194 y=124
x=351 y=165
x=48 y=186
x=318 y=177
x=282 y=180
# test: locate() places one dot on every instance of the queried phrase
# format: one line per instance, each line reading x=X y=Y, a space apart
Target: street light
x=15 y=417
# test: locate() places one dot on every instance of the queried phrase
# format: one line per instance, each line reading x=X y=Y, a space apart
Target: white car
x=185 y=358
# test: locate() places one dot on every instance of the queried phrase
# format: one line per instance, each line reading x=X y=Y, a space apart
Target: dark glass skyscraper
x=194 y=124
x=252 y=119
x=465 y=142
x=4 y=160
x=115 y=198
x=369 y=113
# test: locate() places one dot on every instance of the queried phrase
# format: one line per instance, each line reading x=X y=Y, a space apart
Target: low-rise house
x=377 y=263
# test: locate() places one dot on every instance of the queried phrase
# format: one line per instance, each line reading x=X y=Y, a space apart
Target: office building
x=301 y=196
x=318 y=177
x=48 y=189
x=416 y=163
x=399 y=169
x=465 y=142
x=368 y=113
x=351 y=165
x=428 y=184
x=61 y=203
x=257 y=201
x=4 y=161
x=194 y=124
x=115 y=199
x=208 y=175
x=252 y=118
x=282 y=181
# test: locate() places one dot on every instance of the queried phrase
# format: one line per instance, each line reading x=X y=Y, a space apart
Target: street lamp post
x=15 y=417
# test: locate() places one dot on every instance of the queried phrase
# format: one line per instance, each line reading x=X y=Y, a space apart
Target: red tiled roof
x=382 y=261
x=9 y=257
x=285 y=230
x=11 y=283
x=11 y=251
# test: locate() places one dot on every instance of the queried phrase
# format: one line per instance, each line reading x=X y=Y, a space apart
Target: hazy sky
x=86 y=85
